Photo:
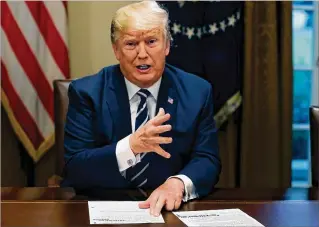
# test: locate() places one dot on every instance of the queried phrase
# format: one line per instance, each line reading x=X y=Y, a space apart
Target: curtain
x=228 y=139
x=208 y=42
x=266 y=128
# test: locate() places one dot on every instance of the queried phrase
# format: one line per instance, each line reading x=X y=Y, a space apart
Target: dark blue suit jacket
x=99 y=116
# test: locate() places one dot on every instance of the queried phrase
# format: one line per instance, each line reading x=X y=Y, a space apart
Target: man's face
x=141 y=55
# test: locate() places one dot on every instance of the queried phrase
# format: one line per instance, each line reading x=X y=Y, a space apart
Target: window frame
x=300 y=164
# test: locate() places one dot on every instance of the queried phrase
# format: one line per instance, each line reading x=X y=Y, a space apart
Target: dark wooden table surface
x=65 y=207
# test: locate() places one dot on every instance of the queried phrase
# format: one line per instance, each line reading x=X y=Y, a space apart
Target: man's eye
x=152 y=41
x=130 y=44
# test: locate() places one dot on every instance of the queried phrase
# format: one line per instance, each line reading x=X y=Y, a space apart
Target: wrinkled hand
x=147 y=139
x=169 y=194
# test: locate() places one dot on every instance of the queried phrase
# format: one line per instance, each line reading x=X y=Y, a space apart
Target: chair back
x=314 y=138
x=61 y=103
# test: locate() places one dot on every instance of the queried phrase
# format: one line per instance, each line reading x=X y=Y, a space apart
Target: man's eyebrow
x=128 y=38
x=152 y=33
x=147 y=34
x=151 y=36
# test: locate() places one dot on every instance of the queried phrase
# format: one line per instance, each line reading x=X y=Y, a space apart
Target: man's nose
x=141 y=51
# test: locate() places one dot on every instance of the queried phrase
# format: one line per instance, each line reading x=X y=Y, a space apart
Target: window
x=305 y=86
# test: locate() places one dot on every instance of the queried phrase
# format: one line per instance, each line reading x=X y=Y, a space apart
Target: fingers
x=147 y=139
x=157 y=206
x=160 y=140
x=177 y=204
x=159 y=129
x=161 y=117
x=161 y=112
x=153 y=200
x=161 y=152
x=144 y=205
x=170 y=204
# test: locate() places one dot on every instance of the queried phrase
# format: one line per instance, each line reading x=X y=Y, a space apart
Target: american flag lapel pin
x=170 y=100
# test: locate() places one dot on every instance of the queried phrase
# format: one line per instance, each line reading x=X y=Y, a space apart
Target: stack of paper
x=228 y=217
x=114 y=212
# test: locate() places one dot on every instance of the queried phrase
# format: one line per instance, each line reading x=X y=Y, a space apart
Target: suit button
x=130 y=162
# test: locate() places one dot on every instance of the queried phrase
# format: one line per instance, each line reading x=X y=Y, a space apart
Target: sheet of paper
x=120 y=212
x=227 y=217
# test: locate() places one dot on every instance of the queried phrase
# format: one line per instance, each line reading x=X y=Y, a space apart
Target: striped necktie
x=142 y=115
x=136 y=174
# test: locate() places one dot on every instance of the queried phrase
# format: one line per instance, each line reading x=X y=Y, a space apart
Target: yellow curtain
x=266 y=130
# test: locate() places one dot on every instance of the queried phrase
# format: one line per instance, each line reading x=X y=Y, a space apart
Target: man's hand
x=147 y=139
x=169 y=194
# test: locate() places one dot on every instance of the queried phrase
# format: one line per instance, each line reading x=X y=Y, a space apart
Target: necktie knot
x=143 y=93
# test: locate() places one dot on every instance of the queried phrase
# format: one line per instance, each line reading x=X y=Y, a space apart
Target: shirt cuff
x=189 y=187
x=124 y=155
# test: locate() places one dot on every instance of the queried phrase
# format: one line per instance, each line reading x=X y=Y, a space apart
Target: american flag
x=34 y=52
x=170 y=100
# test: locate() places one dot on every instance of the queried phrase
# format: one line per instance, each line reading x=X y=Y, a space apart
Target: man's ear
x=168 y=47
x=116 y=51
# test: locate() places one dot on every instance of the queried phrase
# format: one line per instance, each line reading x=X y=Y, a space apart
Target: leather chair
x=61 y=102
x=314 y=137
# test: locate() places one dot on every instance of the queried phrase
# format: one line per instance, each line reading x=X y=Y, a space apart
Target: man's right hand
x=147 y=139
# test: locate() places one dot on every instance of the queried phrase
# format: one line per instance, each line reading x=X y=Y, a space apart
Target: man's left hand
x=169 y=194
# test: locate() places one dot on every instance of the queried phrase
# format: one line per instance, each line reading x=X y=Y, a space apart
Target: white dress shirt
x=124 y=154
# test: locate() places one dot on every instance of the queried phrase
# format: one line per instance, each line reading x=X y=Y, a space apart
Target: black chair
x=314 y=138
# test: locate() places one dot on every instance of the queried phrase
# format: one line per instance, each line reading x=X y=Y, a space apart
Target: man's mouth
x=143 y=67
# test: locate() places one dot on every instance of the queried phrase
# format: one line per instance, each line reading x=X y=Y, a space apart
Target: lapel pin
x=170 y=100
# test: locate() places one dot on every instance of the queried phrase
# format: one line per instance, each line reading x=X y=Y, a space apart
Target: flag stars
x=199 y=33
x=238 y=15
x=231 y=21
x=181 y=3
x=213 y=28
x=190 y=32
x=176 y=28
x=222 y=25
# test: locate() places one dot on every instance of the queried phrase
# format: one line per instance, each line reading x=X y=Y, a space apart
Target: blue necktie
x=136 y=174
x=142 y=111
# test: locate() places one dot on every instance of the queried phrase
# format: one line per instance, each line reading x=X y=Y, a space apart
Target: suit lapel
x=118 y=103
x=167 y=99
x=119 y=106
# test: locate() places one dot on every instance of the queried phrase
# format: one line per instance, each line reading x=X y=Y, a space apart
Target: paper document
x=228 y=217
x=120 y=212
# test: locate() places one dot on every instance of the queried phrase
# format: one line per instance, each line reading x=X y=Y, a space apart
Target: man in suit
x=143 y=123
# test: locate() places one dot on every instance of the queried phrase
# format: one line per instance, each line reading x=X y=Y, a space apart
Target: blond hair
x=145 y=15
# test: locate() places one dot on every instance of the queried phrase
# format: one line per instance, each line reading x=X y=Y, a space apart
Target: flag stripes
x=34 y=54
x=50 y=33
x=22 y=115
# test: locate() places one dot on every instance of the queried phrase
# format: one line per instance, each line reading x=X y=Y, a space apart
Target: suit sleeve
x=86 y=163
x=204 y=166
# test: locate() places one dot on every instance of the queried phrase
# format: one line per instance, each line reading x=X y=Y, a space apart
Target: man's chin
x=146 y=80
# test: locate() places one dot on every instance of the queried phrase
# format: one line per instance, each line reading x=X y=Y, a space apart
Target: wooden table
x=63 y=207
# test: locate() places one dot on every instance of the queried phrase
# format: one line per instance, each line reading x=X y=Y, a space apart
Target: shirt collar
x=132 y=89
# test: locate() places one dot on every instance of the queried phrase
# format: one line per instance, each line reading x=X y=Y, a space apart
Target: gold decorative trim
x=228 y=108
x=45 y=145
